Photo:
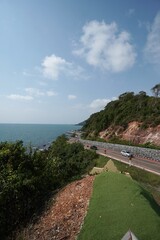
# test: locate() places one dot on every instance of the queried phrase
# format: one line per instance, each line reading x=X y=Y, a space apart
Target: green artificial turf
x=118 y=204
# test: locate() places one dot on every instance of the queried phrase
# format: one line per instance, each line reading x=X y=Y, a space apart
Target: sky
x=63 y=60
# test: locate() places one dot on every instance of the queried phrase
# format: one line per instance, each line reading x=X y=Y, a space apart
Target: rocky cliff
x=133 y=133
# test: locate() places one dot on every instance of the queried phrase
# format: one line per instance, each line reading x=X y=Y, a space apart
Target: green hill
x=127 y=108
x=118 y=204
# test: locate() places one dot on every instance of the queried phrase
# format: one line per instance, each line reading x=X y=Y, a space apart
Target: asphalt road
x=146 y=164
x=143 y=163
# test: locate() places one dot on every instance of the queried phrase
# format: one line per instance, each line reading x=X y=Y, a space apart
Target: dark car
x=93 y=147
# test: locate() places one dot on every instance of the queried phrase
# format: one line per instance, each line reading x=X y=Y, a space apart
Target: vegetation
x=117 y=205
x=140 y=175
x=156 y=90
x=101 y=161
x=129 y=107
x=117 y=140
x=27 y=178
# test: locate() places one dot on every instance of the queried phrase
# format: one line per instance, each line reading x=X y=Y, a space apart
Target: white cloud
x=99 y=103
x=37 y=93
x=54 y=66
x=71 y=97
x=152 y=48
x=20 y=97
x=51 y=93
x=104 y=47
x=34 y=92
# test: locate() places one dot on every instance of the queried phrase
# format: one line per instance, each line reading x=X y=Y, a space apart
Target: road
x=143 y=163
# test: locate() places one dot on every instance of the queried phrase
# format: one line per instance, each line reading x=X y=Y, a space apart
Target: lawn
x=101 y=161
x=118 y=204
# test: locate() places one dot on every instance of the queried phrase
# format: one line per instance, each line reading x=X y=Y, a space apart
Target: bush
x=28 y=178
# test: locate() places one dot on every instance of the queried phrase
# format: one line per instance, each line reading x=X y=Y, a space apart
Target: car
x=93 y=147
x=126 y=153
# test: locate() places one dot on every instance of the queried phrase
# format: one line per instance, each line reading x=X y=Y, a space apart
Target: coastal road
x=137 y=161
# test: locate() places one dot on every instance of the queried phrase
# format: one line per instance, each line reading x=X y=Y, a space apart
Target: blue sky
x=62 y=60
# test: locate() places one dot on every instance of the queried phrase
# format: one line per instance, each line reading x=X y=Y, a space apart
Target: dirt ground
x=64 y=219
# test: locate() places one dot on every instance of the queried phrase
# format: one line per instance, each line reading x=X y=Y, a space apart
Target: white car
x=126 y=153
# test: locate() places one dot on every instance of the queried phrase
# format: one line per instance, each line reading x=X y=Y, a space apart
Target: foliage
x=70 y=159
x=117 y=140
x=129 y=107
x=101 y=161
x=138 y=174
x=27 y=178
x=156 y=90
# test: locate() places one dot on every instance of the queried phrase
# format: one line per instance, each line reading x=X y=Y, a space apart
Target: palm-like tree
x=156 y=90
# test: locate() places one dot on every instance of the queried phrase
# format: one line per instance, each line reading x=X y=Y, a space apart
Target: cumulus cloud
x=71 y=97
x=54 y=66
x=20 y=97
x=99 y=103
x=103 y=46
x=34 y=92
x=152 y=48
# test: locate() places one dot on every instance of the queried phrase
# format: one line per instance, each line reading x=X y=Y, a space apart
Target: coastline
x=36 y=135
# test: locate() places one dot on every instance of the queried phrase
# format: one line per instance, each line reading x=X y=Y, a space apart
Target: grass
x=148 y=180
x=138 y=174
x=118 y=204
x=101 y=161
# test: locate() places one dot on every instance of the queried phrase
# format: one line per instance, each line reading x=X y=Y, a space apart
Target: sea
x=36 y=135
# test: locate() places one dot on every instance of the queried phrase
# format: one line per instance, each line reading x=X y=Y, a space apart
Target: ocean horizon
x=35 y=135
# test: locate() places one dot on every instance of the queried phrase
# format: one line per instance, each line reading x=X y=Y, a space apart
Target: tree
x=156 y=90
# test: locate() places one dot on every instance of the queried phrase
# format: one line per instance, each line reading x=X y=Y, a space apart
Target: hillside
x=135 y=209
x=133 y=117
x=65 y=215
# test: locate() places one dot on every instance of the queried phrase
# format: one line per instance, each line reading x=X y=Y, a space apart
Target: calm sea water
x=34 y=134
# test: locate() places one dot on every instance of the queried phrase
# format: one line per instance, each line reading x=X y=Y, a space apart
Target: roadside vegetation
x=28 y=178
x=118 y=204
x=101 y=161
x=137 y=174
x=147 y=180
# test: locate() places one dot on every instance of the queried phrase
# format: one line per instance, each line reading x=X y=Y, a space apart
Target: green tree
x=156 y=90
